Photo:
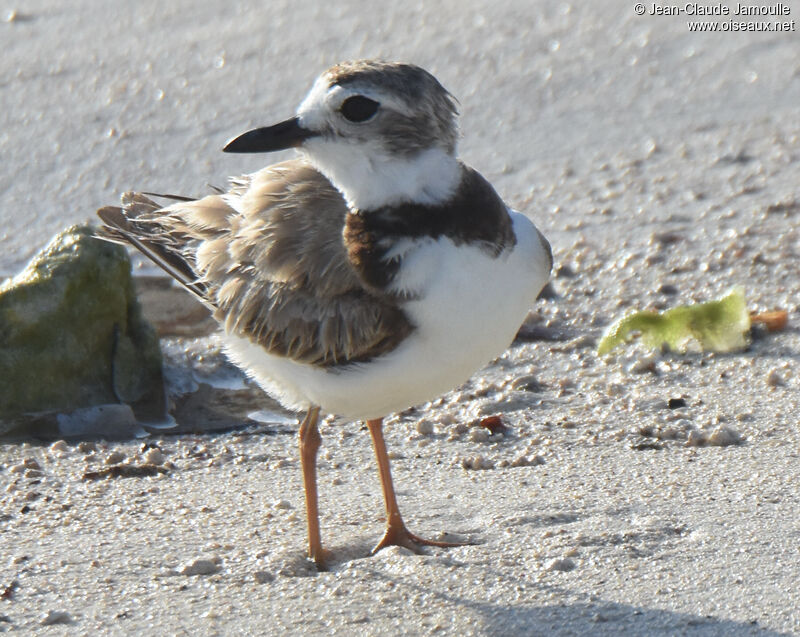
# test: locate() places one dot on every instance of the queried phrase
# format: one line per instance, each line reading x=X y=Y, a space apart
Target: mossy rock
x=72 y=334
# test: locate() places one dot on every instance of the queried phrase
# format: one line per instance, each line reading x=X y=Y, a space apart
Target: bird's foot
x=399 y=535
x=320 y=559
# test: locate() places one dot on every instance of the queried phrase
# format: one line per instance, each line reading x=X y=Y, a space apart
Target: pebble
x=565 y=383
x=59 y=446
x=775 y=379
x=695 y=439
x=669 y=433
x=31 y=463
x=527 y=461
x=282 y=505
x=154 y=456
x=477 y=463
x=528 y=383
x=563 y=564
x=665 y=238
x=676 y=402
x=723 y=436
x=56 y=617
x=495 y=426
x=264 y=577
x=479 y=434
x=446 y=418
x=202 y=567
x=87 y=447
x=616 y=389
x=115 y=457
x=645 y=365
x=564 y=271
x=460 y=429
x=425 y=427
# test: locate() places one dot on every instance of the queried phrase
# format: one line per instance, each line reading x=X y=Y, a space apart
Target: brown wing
x=269 y=258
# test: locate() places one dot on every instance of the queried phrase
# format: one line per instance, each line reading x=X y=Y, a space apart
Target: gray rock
x=72 y=334
x=110 y=421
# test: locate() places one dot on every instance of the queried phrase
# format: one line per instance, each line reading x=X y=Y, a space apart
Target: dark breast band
x=474 y=215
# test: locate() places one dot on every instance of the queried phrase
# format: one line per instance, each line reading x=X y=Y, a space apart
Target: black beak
x=288 y=134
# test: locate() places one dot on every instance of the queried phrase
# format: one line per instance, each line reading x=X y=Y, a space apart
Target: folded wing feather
x=269 y=259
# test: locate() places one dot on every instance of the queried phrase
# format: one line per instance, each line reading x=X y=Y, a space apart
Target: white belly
x=469 y=309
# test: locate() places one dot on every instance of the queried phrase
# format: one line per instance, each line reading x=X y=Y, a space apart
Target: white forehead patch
x=323 y=100
x=312 y=111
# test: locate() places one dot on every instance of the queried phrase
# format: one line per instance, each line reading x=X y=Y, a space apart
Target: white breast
x=469 y=306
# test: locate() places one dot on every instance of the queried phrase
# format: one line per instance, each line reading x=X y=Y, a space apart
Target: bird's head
x=381 y=132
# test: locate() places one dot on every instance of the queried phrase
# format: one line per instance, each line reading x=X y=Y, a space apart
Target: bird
x=371 y=273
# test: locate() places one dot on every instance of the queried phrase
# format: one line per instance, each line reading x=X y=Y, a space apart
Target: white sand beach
x=664 y=167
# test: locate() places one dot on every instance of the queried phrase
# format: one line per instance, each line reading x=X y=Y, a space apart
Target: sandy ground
x=663 y=166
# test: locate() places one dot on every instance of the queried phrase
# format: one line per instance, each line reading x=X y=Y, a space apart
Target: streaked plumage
x=372 y=274
x=269 y=260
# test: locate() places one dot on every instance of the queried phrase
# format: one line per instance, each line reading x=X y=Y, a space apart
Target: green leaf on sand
x=718 y=326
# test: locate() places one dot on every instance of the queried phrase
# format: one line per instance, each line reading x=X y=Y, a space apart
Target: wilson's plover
x=371 y=274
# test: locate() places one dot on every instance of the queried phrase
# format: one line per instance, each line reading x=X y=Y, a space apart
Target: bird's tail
x=136 y=223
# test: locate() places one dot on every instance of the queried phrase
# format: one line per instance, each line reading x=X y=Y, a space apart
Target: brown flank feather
x=274 y=270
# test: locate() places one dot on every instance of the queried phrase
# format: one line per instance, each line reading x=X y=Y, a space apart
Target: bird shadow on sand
x=603 y=617
x=596 y=617
x=528 y=614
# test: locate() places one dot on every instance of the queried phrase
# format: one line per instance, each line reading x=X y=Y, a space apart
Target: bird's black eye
x=359 y=108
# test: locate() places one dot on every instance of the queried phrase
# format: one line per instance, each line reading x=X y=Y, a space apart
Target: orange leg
x=310 y=441
x=396 y=532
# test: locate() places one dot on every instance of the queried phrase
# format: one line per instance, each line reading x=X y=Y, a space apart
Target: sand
x=662 y=165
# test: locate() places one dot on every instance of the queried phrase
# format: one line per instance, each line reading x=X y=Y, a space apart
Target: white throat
x=370 y=180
